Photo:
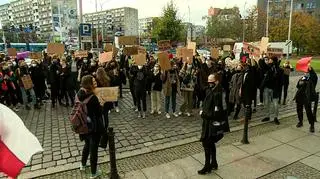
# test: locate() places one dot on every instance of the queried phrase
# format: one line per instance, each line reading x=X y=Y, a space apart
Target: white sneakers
x=159 y=112
x=176 y=114
x=117 y=109
x=152 y=112
x=168 y=116
x=82 y=168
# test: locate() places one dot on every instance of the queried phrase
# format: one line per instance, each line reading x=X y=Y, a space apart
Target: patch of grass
x=315 y=63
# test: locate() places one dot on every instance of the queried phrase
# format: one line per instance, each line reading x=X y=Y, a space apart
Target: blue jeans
x=28 y=94
x=173 y=98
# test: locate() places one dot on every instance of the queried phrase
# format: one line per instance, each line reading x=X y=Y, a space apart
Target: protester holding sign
x=112 y=70
x=156 y=85
x=140 y=81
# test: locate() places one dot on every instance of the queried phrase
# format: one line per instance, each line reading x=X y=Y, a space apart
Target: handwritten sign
x=35 y=55
x=128 y=40
x=130 y=50
x=214 y=53
x=187 y=55
x=140 y=59
x=264 y=44
x=179 y=52
x=27 y=82
x=227 y=48
x=55 y=48
x=164 y=45
x=193 y=46
x=108 y=47
x=142 y=50
x=81 y=54
x=12 y=52
x=107 y=94
x=105 y=57
x=164 y=61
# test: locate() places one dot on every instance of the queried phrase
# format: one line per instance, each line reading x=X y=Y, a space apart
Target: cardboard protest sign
x=107 y=94
x=214 y=53
x=193 y=46
x=227 y=48
x=55 y=48
x=303 y=64
x=108 y=47
x=164 y=45
x=264 y=44
x=105 y=57
x=12 y=52
x=187 y=55
x=81 y=54
x=164 y=61
x=179 y=51
x=35 y=55
x=130 y=50
x=140 y=59
x=142 y=50
x=128 y=40
x=27 y=82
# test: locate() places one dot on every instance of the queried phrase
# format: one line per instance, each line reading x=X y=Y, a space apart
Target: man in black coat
x=54 y=81
x=272 y=82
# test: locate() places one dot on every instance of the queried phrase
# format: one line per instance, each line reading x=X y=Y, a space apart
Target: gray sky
x=148 y=8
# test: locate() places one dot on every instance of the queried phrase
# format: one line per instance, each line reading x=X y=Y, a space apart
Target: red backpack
x=79 y=116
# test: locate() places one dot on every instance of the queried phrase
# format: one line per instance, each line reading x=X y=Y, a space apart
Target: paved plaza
x=133 y=136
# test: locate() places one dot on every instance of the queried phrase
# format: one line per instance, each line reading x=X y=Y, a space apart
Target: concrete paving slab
x=258 y=144
x=138 y=174
x=309 y=144
x=199 y=157
x=189 y=165
x=282 y=155
x=229 y=153
x=286 y=135
x=164 y=171
x=250 y=167
x=208 y=176
x=312 y=161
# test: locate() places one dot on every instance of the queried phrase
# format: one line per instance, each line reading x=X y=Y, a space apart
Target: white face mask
x=34 y=65
x=189 y=66
x=14 y=63
x=93 y=64
x=85 y=61
x=140 y=67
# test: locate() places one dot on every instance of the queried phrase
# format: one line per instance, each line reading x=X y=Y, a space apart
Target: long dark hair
x=102 y=77
x=87 y=83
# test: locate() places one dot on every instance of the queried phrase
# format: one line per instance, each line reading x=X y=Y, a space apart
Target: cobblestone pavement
x=62 y=148
x=296 y=170
x=170 y=154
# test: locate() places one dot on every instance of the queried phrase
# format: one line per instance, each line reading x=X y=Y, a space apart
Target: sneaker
x=176 y=114
x=188 y=114
x=180 y=113
x=152 y=112
x=300 y=124
x=117 y=109
x=276 y=121
x=136 y=110
x=260 y=104
x=168 y=116
x=82 y=168
x=159 y=112
x=16 y=109
x=266 y=119
x=96 y=175
x=139 y=115
x=200 y=112
x=134 y=107
x=143 y=115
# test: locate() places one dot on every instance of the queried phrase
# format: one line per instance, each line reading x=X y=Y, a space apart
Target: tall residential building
x=146 y=25
x=121 y=20
x=281 y=8
x=51 y=19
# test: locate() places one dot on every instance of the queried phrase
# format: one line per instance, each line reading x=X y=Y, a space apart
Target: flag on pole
x=302 y=64
x=17 y=143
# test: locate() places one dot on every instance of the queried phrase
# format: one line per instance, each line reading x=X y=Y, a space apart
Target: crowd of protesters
x=217 y=87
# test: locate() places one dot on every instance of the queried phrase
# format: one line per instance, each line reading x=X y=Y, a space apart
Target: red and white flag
x=17 y=143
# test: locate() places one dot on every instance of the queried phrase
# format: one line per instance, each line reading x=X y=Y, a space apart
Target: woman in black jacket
x=214 y=124
x=67 y=84
x=92 y=139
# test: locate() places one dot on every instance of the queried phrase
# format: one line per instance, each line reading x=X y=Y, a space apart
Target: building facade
x=41 y=16
x=123 y=21
x=281 y=8
x=146 y=25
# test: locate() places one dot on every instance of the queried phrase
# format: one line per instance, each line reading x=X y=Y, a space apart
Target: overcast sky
x=148 y=8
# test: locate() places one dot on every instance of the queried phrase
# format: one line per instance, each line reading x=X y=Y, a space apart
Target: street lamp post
x=244 y=25
x=267 y=25
x=289 y=32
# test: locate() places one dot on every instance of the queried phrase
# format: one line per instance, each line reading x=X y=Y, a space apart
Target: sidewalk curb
x=153 y=148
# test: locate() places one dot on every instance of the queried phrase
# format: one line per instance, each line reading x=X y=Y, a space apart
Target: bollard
x=112 y=154
x=248 y=113
x=315 y=107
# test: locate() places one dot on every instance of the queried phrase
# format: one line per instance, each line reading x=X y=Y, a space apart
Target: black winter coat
x=248 y=87
x=54 y=75
x=214 y=109
x=66 y=79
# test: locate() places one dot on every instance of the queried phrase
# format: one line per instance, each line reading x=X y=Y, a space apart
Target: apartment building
x=146 y=25
x=43 y=16
x=121 y=20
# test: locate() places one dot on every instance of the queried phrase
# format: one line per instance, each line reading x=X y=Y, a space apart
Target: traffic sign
x=86 y=32
x=288 y=42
